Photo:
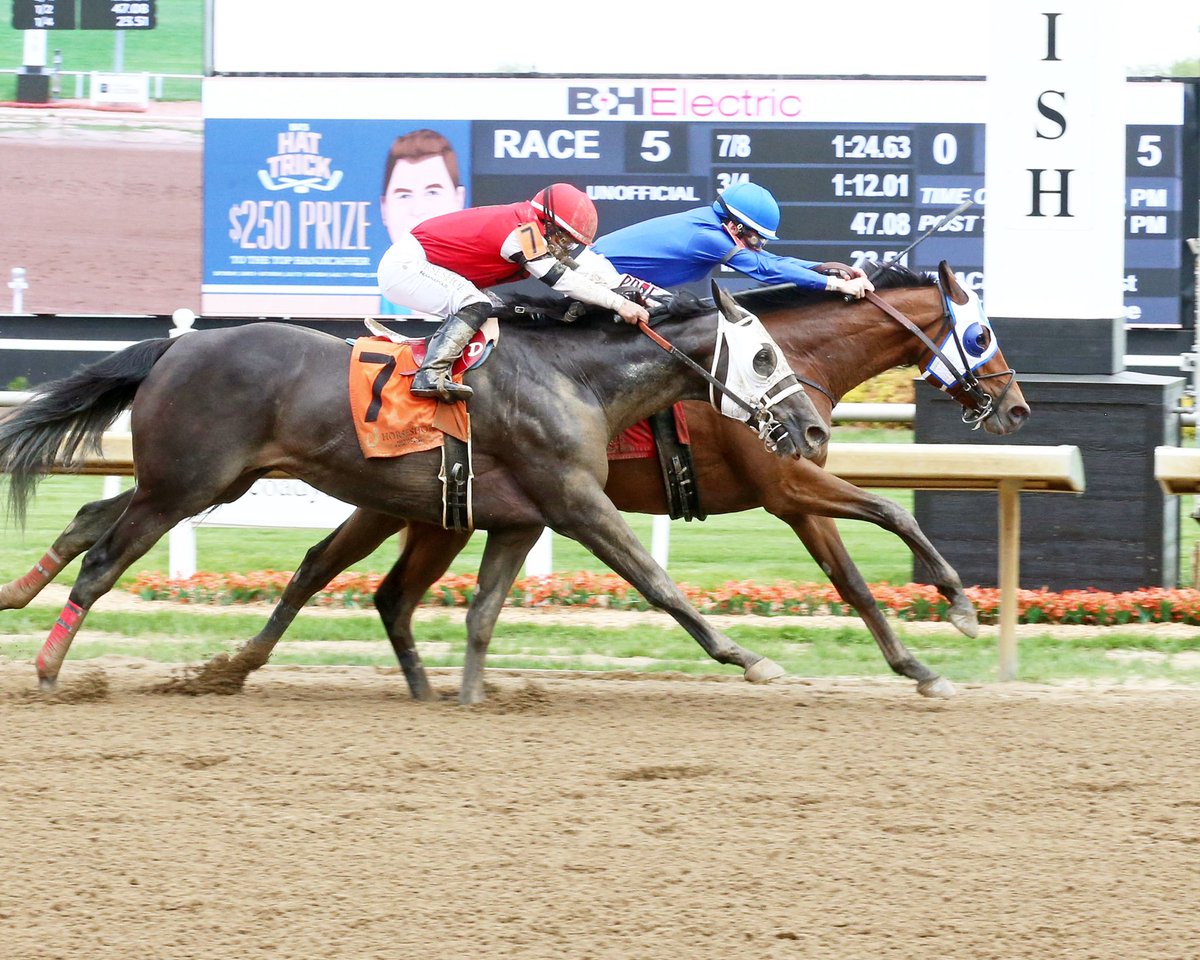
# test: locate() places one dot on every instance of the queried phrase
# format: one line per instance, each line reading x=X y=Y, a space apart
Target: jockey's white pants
x=408 y=279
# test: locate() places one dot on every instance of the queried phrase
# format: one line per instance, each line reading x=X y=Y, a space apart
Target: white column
x=35 y=45
x=1055 y=167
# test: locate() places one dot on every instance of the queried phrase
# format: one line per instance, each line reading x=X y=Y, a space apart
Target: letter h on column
x=1035 y=209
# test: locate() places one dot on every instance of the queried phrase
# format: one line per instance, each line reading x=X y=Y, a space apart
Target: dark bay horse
x=832 y=345
x=215 y=410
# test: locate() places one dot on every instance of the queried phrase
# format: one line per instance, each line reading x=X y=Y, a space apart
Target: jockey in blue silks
x=685 y=247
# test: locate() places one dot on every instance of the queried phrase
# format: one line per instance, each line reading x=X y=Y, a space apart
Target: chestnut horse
x=215 y=410
x=833 y=346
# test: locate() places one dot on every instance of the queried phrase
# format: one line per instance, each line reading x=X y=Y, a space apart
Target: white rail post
x=181 y=551
x=540 y=560
x=660 y=539
x=18 y=285
x=181 y=541
x=183 y=320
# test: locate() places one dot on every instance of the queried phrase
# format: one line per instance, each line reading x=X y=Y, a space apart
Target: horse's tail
x=68 y=414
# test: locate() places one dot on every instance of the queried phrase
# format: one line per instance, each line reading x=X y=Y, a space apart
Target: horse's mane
x=893 y=275
x=542 y=309
x=533 y=309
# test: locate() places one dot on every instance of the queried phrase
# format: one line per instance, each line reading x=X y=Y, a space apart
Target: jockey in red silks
x=441 y=265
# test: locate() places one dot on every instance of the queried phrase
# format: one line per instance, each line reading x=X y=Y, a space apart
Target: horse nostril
x=1019 y=414
x=816 y=436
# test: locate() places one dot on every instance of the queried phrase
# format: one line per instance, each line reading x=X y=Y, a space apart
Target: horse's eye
x=977 y=339
x=764 y=361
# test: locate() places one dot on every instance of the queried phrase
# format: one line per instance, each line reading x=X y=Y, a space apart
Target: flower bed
x=906 y=602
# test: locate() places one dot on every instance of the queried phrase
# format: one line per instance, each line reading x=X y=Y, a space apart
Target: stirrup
x=443 y=388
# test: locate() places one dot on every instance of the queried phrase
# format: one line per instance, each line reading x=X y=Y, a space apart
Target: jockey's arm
x=598 y=267
x=539 y=262
x=769 y=268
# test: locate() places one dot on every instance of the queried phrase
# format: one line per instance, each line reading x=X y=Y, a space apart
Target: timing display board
x=43 y=14
x=93 y=14
x=116 y=15
x=294 y=224
x=849 y=192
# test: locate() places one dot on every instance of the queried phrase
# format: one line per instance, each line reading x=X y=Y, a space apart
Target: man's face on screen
x=416 y=191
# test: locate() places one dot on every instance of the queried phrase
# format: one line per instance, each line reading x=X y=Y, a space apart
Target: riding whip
x=957 y=211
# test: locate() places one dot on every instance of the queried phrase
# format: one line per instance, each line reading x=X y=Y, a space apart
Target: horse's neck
x=847 y=344
x=633 y=383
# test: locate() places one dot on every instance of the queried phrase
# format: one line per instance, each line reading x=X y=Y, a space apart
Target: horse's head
x=966 y=362
x=760 y=388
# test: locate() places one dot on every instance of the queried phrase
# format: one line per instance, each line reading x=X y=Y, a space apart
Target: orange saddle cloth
x=389 y=420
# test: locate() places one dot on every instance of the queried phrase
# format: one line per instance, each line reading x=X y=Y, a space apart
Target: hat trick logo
x=298 y=164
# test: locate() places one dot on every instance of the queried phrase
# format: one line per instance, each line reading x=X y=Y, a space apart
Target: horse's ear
x=950 y=284
x=731 y=308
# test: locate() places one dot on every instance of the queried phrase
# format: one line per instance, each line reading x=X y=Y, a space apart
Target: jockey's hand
x=855 y=287
x=835 y=269
x=630 y=292
x=632 y=312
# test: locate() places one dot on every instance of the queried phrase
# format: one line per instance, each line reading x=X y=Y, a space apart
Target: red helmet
x=568 y=208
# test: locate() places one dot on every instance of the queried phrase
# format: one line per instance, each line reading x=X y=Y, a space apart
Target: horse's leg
x=597 y=524
x=427 y=554
x=820 y=492
x=142 y=524
x=820 y=535
x=498 y=567
x=89 y=524
x=358 y=535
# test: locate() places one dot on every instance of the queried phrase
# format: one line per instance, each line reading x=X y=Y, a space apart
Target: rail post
x=18 y=285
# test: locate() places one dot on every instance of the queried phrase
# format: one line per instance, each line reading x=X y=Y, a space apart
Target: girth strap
x=456 y=477
x=678 y=468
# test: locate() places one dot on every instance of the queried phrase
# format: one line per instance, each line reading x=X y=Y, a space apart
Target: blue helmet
x=752 y=205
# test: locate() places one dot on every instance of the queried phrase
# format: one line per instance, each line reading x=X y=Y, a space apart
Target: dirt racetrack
x=323 y=814
x=103 y=210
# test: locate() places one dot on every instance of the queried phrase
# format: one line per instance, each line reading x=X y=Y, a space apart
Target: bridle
x=770 y=430
x=977 y=403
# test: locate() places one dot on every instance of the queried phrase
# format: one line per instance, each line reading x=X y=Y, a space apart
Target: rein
x=689 y=362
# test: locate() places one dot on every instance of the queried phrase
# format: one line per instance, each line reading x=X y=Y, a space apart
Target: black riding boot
x=433 y=379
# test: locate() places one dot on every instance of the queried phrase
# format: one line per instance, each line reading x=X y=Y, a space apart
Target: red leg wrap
x=42 y=573
x=54 y=650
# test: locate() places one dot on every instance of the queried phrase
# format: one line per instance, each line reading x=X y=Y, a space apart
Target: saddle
x=477 y=350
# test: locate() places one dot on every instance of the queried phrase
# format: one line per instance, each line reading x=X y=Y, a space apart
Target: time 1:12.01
x=870 y=185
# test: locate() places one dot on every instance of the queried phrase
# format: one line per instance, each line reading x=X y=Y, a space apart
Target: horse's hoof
x=964 y=618
x=47 y=684
x=764 y=671
x=937 y=688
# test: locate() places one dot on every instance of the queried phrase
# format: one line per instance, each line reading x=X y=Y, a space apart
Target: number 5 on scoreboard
x=656 y=145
